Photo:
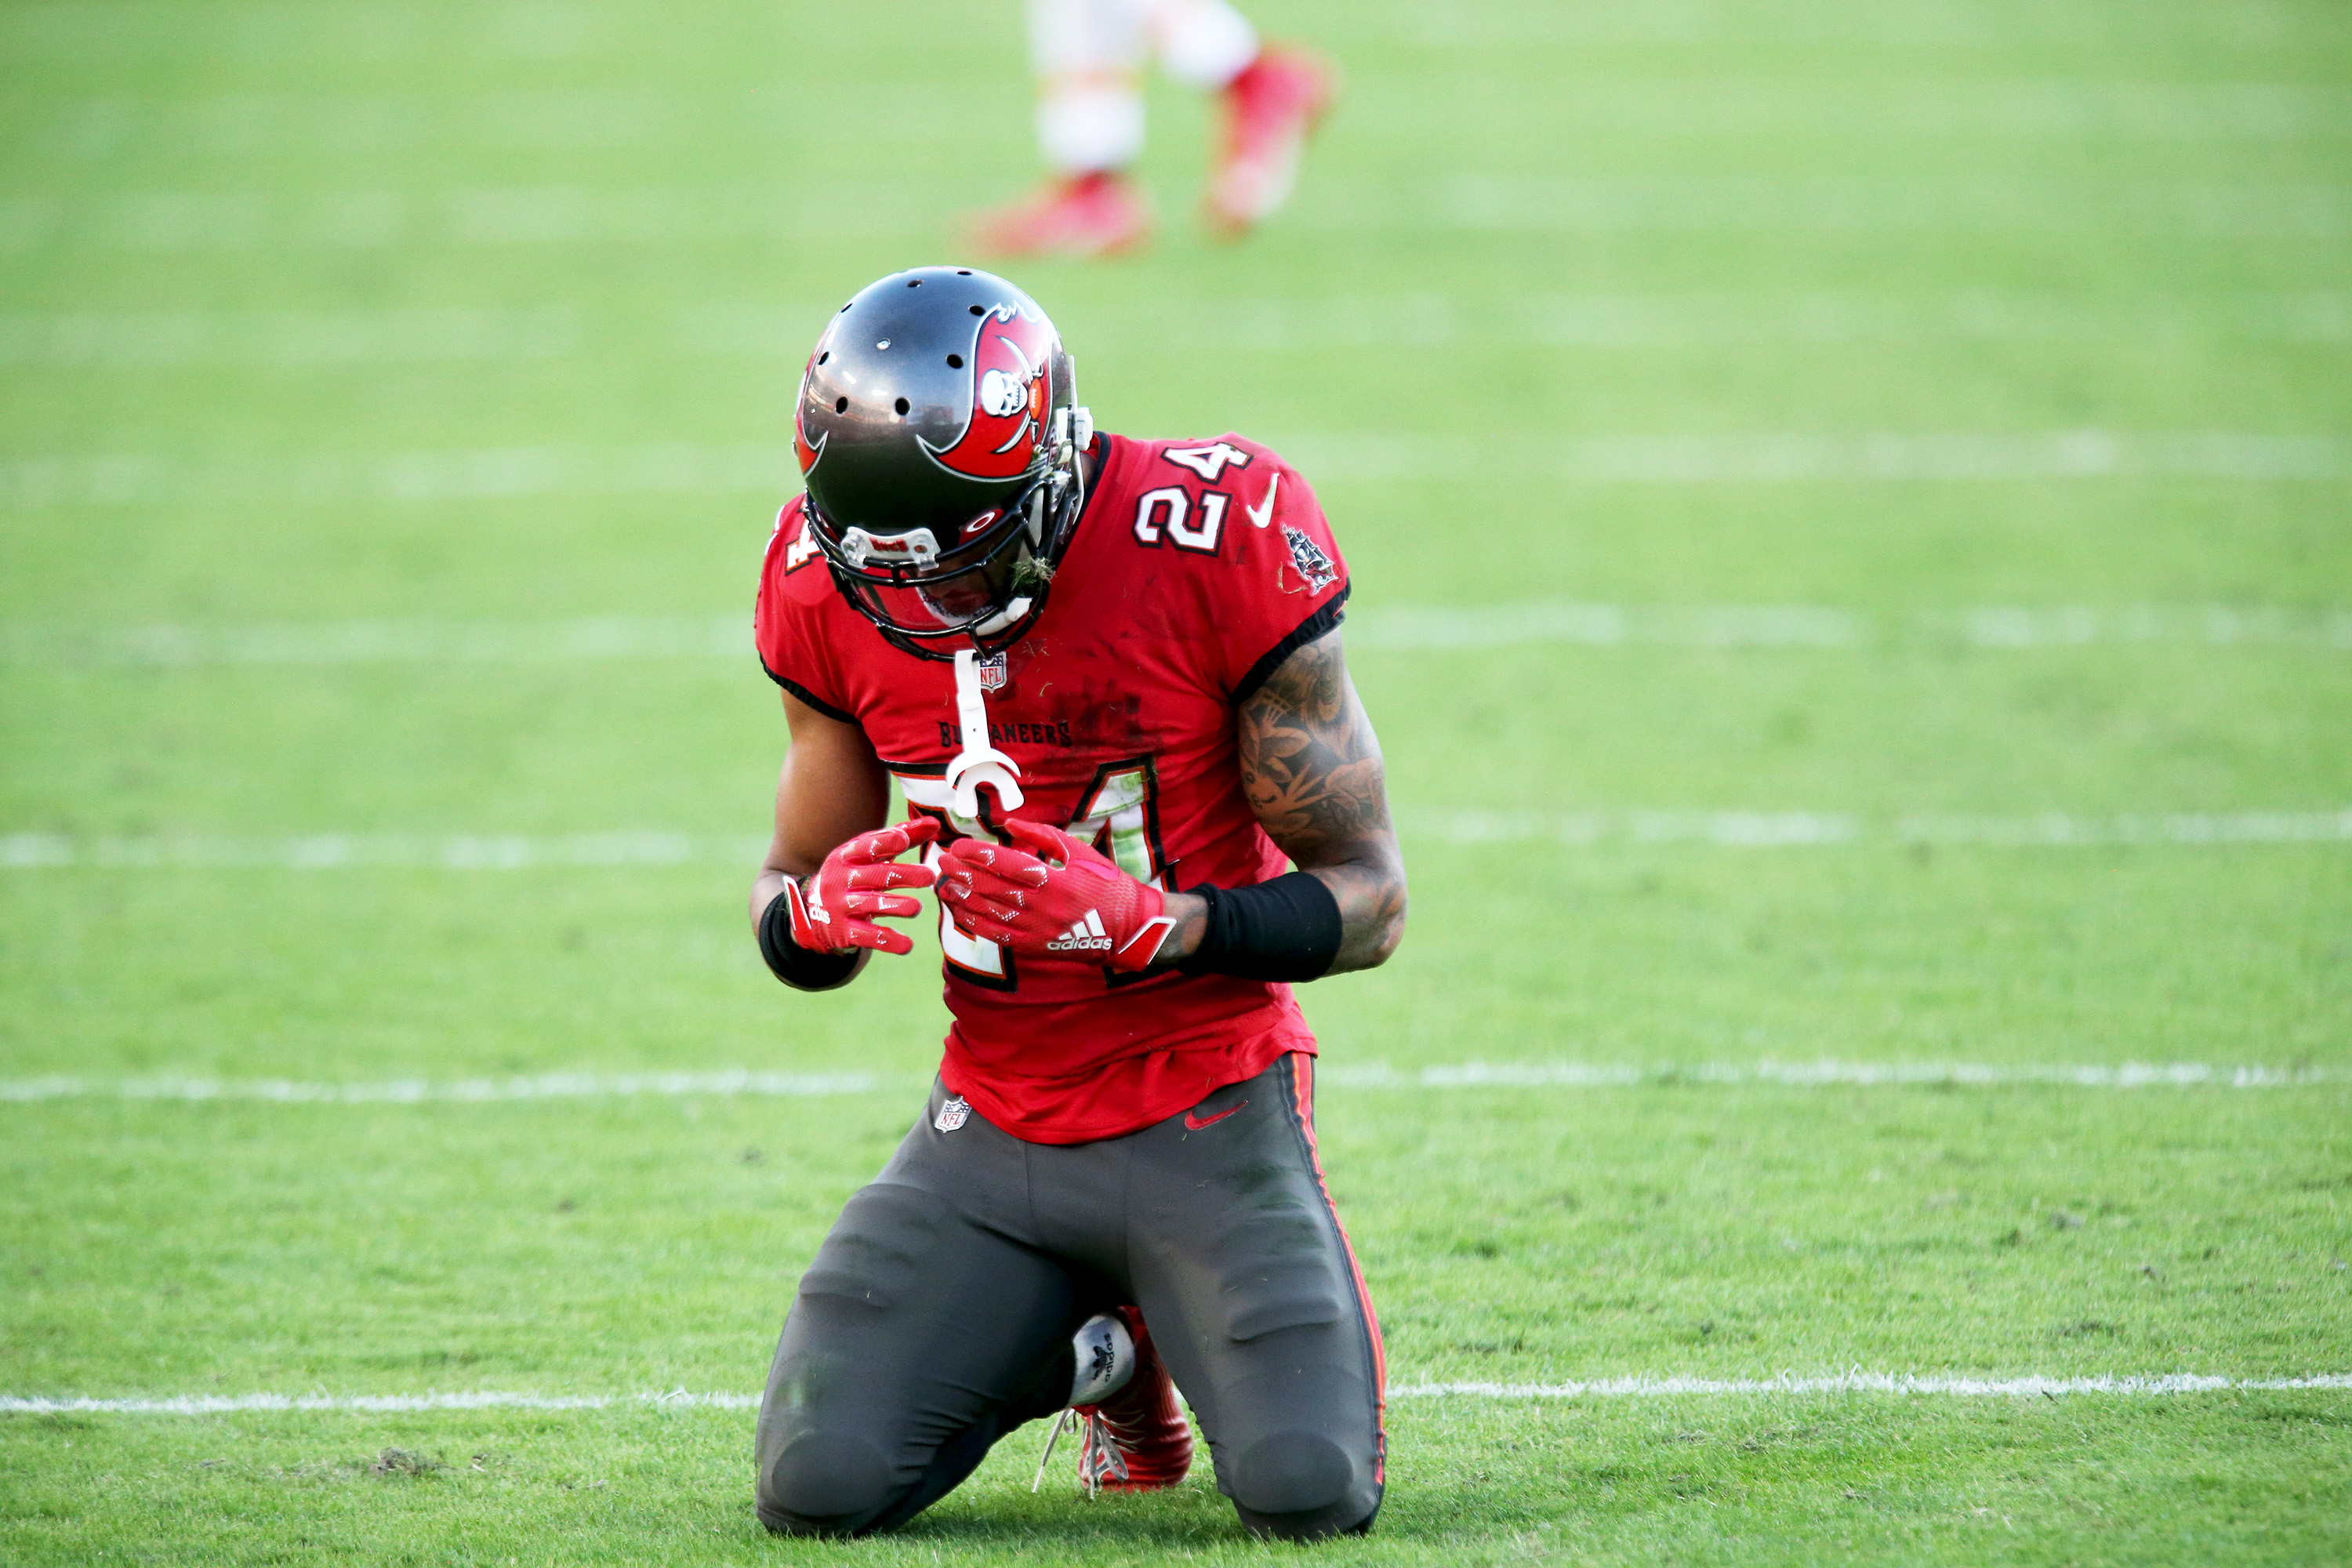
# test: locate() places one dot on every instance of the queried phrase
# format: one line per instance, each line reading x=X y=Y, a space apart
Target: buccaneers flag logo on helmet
x=802 y=448
x=1008 y=392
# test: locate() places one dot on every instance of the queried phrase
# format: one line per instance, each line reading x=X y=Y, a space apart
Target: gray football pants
x=938 y=1314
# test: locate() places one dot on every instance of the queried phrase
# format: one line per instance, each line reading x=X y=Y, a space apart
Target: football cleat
x=1137 y=1439
x=1271 y=109
x=1080 y=215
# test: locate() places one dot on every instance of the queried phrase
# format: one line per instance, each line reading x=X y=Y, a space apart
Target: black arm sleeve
x=795 y=965
x=1287 y=929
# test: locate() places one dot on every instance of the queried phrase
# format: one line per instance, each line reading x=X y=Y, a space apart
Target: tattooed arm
x=1311 y=767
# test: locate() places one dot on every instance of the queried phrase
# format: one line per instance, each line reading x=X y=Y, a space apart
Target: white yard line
x=1715 y=319
x=1710 y=319
x=333 y=851
x=740 y=1082
x=254 y=125
x=1390 y=629
x=2229 y=32
x=1875 y=1383
x=1414 y=628
x=755 y=472
x=152 y=480
x=181 y=221
x=30 y=852
x=2058 y=829
x=288 y=340
x=369 y=1403
x=1812 y=829
x=744 y=1083
x=1821 y=1074
x=2120 y=211
x=178 y=222
x=594 y=637
x=1647 y=320
x=332 y=125
x=1880 y=109
x=1719 y=830
x=2072 y=626
x=115 y=33
x=2150 y=1385
x=1792 y=458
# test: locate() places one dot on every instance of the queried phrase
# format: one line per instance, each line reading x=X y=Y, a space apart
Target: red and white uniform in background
x=1195 y=568
x=1089 y=57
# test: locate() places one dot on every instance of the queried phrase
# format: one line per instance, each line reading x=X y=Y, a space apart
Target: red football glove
x=1066 y=900
x=836 y=913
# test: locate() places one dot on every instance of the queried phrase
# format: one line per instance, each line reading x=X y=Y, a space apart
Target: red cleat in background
x=1136 y=1440
x=1081 y=216
x=1271 y=109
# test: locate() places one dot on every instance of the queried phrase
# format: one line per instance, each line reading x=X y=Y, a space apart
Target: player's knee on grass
x=1301 y=1486
x=823 y=1448
x=825 y=1483
x=1303 y=1443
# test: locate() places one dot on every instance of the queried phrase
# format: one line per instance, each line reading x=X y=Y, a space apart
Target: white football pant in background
x=1089 y=55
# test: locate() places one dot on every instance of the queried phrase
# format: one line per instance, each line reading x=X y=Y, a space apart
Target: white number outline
x=1208 y=461
x=1177 y=526
x=1175 y=497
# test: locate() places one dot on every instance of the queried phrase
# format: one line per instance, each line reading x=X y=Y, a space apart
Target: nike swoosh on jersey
x=1263 y=513
x=1194 y=1120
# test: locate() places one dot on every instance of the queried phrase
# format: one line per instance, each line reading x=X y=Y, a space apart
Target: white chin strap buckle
x=979 y=762
x=998 y=622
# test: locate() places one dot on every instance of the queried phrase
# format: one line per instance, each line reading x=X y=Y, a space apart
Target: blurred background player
x=1089 y=57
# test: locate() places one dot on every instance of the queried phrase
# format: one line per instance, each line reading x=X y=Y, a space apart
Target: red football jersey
x=1195 y=568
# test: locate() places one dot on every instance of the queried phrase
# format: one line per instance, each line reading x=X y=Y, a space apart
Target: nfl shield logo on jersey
x=953 y=1115
x=991 y=671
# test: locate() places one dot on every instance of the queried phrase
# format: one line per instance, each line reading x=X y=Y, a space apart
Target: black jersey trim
x=1307 y=631
x=811 y=698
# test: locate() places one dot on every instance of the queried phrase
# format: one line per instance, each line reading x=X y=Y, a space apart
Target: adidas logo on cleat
x=1087 y=936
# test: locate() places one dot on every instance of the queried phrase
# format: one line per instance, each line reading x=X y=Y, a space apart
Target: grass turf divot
x=1698 y=1480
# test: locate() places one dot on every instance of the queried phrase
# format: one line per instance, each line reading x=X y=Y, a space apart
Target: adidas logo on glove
x=1087 y=936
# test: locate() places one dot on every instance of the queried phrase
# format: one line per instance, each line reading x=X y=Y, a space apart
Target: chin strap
x=979 y=762
x=1004 y=617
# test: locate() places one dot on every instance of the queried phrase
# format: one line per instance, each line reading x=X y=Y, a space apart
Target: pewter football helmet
x=941 y=446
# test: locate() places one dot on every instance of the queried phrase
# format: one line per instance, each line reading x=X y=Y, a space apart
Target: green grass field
x=1851 y=508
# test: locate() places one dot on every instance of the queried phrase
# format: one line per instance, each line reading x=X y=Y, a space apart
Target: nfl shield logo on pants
x=991 y=671
x=951 y=1115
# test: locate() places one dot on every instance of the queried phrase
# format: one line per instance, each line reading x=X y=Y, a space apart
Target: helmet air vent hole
x=955 y=361
x=901 y=405
x=825 y=356
x=914 y=282
x=841 y=405
x=978 y=311
x=963 y=271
